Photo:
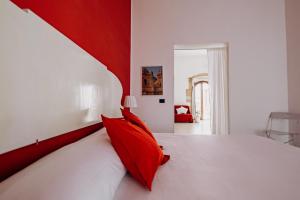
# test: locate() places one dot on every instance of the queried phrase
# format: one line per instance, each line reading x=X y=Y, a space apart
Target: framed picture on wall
x=152 y=80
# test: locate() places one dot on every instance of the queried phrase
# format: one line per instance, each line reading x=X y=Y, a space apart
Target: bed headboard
x=48 y=84
x=16 y=160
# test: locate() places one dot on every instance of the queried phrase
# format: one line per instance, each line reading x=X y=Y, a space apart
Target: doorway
x=202 y=103
x=201 y=89
x=191 y=91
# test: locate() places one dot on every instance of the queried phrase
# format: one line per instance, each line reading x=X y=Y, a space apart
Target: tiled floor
x=202 y=128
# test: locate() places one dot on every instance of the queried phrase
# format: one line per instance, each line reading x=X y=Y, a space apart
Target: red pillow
x=138 y=152
x=137 y=121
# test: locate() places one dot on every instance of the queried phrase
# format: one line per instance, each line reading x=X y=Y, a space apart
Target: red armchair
x=183 y=118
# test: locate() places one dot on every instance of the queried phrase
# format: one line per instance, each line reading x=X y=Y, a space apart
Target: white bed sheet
x=236 y=167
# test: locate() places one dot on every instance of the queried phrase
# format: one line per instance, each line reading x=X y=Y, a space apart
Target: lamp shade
x=130 y=102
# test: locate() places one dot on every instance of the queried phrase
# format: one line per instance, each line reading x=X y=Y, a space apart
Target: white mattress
x=240 y=167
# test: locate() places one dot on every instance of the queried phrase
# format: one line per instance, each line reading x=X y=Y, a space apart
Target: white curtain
x=218 y=75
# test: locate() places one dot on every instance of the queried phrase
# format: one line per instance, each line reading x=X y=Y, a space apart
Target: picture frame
x=152 y=80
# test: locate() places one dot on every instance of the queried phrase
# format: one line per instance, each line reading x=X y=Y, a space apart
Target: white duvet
x=240 y=167
x=86 y=170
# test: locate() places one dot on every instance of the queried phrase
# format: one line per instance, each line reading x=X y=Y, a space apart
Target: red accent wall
x=101 y=27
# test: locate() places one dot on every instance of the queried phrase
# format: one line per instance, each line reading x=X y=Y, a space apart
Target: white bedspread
x=85 y=170
x=235 y=167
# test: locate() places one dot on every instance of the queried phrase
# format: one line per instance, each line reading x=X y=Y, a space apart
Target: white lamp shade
x=130 y=102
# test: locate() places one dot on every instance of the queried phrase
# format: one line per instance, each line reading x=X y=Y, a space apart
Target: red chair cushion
x=183 y=118
x=139 y=153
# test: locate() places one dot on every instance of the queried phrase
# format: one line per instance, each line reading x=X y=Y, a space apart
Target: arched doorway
x=201 y=98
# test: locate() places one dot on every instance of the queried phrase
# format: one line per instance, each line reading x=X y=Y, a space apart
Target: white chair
x=282 y=116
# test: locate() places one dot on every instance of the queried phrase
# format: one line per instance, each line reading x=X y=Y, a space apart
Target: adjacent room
x=191 y=95
x=201 y=89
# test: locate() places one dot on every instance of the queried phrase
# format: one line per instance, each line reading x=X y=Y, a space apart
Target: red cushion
x=137 y=121
x=137 y=150
x=184 y=118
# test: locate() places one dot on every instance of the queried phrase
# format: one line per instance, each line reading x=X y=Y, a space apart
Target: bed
x=221 y=167
x=201 y=167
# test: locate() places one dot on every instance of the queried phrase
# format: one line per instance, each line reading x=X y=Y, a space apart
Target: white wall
x=48 y=85
x=187 y=63
x=255 y=32
x=293 y=55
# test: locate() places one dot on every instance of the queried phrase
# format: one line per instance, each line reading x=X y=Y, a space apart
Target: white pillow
x=88 y=169
x=181 y=110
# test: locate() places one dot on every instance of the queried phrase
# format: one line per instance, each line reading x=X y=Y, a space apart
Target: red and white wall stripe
x=100 y=27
